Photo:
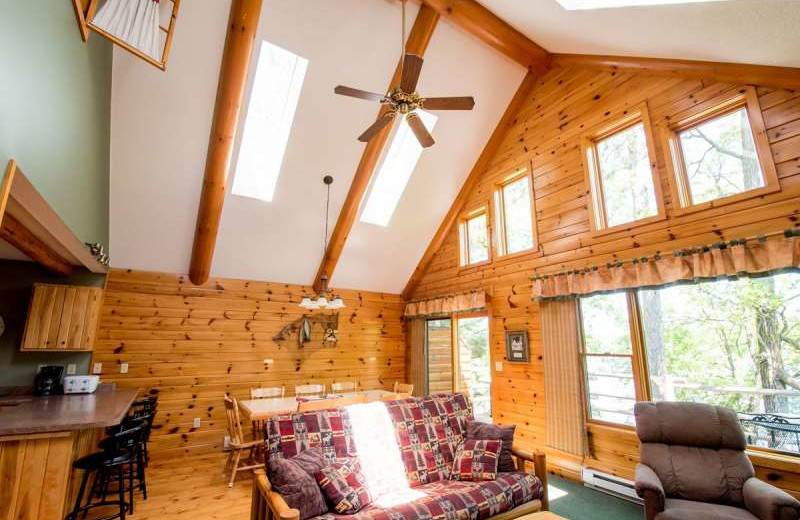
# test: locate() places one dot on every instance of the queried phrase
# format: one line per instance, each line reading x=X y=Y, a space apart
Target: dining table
x=257 y=410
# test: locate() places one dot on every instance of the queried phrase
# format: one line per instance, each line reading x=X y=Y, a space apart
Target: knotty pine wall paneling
x=193 y=345
x=565 y=103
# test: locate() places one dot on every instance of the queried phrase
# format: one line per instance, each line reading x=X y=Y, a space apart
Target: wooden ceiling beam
x=16 y=234
x=417 y=43
x=481 y=165
x=480 y=22
x=737 y=73
x=242 y=26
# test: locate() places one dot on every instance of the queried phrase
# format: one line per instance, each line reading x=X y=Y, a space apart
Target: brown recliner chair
x=693 y=467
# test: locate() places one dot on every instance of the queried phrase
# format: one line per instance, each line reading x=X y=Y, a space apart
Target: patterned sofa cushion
x=329 y=430
x=448 y=415
x=476 y=460
x=454 y=499
x=345 y=486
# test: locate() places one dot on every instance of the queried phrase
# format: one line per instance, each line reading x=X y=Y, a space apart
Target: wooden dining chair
x=267 y=392
x=333 y=402
x=237 y=442
x=344 y=387
x=403 y=388
x=310 y=390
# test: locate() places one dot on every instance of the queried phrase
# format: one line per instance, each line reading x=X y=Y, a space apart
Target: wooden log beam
x=13 y=232
x=737 y=73
x=474 y=176
x=480 y=22
x=242 y=26
x=417 y=43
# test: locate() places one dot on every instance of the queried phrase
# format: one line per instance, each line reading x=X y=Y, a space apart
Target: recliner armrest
x=768 y=502
x=649 y=488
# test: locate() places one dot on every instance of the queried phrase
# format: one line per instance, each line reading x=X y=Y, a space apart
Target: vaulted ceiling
x=161 y=122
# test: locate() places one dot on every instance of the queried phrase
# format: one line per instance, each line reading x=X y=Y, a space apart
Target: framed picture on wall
x=517 y=346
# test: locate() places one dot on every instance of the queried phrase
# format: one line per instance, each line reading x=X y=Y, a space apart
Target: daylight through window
x=514 y=215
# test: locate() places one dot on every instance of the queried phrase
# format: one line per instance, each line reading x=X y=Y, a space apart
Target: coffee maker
x=48 y=380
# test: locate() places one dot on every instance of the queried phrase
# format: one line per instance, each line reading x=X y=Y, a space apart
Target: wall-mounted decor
x=134 y=25
x=517 y=346
x=303 y=326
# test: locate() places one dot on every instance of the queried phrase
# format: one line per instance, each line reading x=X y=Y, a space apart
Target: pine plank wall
x=192 y=345
x=546 y=134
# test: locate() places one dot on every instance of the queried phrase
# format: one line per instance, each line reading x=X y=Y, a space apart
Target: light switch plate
x=196 y=422
x=71 y=369
x=123 y=368
x=498 y=366
x=97 y=368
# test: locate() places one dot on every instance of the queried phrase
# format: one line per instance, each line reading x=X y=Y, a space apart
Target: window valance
x=472 y=301
x=760 y=255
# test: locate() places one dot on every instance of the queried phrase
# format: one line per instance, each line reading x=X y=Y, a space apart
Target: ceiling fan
x=404 y=101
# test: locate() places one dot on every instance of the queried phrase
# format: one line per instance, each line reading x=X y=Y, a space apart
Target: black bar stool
x=117 y=457
x=138 y=445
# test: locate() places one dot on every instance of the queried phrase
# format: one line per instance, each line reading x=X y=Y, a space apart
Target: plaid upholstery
x=345 y=487
x=456 y=500
x=477 y=460
x=447 y=419
x=422 y=458
x=329 y=430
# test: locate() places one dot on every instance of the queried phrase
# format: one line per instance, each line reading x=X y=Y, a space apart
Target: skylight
x=394 y=173
x=273 y=102
x=576 y=5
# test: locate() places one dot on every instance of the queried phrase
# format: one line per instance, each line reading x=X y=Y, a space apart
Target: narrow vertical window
x=474 y=237
x=514 y=215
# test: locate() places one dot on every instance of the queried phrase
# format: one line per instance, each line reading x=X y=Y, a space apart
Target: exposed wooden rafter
x=472 y=179
x=242 y=26
x=417 y=43
x=761 y=75
x=483 y=24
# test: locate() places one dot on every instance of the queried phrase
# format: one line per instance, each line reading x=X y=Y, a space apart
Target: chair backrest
x=697 y=450
x=394 y=397
x=313 y=389
x=232 y=421
x=403 y=388
x=334 y=402
x=267 y=391
x=344 y=386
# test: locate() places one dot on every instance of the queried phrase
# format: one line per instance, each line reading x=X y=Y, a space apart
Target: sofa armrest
x=768 y=502
x=650 y=489
x=539 y=469
x=267 y=503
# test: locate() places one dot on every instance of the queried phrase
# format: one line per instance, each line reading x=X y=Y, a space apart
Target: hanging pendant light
x=324 y=298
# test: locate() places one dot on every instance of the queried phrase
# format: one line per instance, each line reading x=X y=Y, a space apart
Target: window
x=620 y=173
x=474 y=365
x=473 y=235
x=439 y=341
x=514 y=214
x=270 y=112
x=721 y=153
x=608 y=358
x=395 y=172
x=573 y=5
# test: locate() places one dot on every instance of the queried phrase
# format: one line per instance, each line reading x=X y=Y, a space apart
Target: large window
x=439 y=353
x=721 y=153
x=620 y=173
x=473 y=236
x=513 y=200
x=474 y=367
x=734 y=343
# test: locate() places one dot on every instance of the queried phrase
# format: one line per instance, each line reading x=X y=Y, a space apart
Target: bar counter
x=40 y=438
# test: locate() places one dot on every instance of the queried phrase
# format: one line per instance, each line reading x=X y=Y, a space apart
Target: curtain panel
x=563 y=377
x=473 y=301
x=416 y=359
x=723 y=260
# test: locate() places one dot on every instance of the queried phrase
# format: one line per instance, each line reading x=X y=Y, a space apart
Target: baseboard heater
x=611 y=484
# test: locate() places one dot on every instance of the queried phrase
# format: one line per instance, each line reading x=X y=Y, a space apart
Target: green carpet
x=577 y=502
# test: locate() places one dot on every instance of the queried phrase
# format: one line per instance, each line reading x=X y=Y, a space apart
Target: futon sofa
x=406 y=449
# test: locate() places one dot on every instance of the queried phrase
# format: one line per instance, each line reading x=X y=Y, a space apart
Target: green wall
x=55 y=110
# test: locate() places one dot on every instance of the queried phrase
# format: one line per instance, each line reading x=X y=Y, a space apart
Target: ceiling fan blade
x=449 y=103
x=356 y=93
x=418 y=127
x=376 y=127
x=412 y=67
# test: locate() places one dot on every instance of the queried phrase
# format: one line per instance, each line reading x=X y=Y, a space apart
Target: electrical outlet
x=226 y=443
x=71 y=369
x=97 y=368
x=196 y=422
x=498 y=366
x=123 y=368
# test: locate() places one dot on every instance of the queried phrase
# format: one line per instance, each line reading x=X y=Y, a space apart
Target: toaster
x=81 y=384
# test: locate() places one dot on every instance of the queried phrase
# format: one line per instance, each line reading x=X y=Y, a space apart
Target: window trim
x=498 y=210
x=720 y=105
x=591 y=167
x=463 y=236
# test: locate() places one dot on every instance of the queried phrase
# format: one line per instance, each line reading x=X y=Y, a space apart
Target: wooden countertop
x=106 y=407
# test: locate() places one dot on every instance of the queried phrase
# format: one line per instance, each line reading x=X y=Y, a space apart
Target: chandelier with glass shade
x=325 y=298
